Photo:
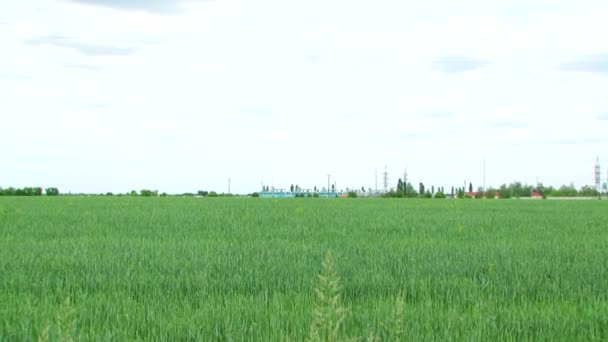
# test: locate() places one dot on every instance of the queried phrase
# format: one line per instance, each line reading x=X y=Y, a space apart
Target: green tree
x=52 y=191
x=588 y=191
x=148 y=193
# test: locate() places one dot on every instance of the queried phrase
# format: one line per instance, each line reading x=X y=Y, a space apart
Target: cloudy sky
x=114 y=95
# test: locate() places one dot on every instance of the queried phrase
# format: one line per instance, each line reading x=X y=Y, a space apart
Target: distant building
x=536 y=195
x=288 y=194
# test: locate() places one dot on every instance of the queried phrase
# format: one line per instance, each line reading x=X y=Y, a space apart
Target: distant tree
x=202 y=193
x=460 y=193
x=133 y=193
x=400 y=186
x=490 y=193
x=109 y=194
x=470 y=187
x=352 y=194
x=439 y=194
x=421 y=189
x=7 y=192
x=452 y=191
x=505 y=192
x=291 y=188
x=213 y=194
x=148 y=193
x=410 y=192
x=52 y=191
x=588 y=191
x=255 y=194
x=432 y=189
x=479 y=193
x=31 y=191
x=164 y=194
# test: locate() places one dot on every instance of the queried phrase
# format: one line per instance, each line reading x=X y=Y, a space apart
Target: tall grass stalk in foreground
x=329 y=312
x=63 y=324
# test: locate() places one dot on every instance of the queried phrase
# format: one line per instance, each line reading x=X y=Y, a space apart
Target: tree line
x=513 y=190
x=29 y=191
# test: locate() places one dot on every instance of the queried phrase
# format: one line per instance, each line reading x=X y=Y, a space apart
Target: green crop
x=96 y=268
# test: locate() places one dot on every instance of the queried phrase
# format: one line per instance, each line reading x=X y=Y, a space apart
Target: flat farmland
x=122 y=268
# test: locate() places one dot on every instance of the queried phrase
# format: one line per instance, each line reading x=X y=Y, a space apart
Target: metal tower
x=385 y=179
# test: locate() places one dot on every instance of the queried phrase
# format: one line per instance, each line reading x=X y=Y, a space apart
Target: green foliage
x=148 y=193
x=490 y=193
x=588 y=191
x=27 y=191
x=439 y=194
x=352 y=194
x=52 y=191
x=255 y=195
x=213 y=194
x=409 y=193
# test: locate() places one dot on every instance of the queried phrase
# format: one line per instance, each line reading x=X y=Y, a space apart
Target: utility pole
x=385 y=179
x=376 y=181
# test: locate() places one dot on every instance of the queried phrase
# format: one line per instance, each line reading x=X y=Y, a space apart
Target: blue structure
x=287 y=194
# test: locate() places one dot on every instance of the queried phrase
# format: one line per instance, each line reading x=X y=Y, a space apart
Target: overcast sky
x=115 y=95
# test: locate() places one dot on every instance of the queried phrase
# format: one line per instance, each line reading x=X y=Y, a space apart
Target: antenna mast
x=598 y=187
x=376 y=181
x=385 y=179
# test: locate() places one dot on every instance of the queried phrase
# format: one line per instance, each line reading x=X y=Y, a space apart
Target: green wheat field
x=247 y=269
